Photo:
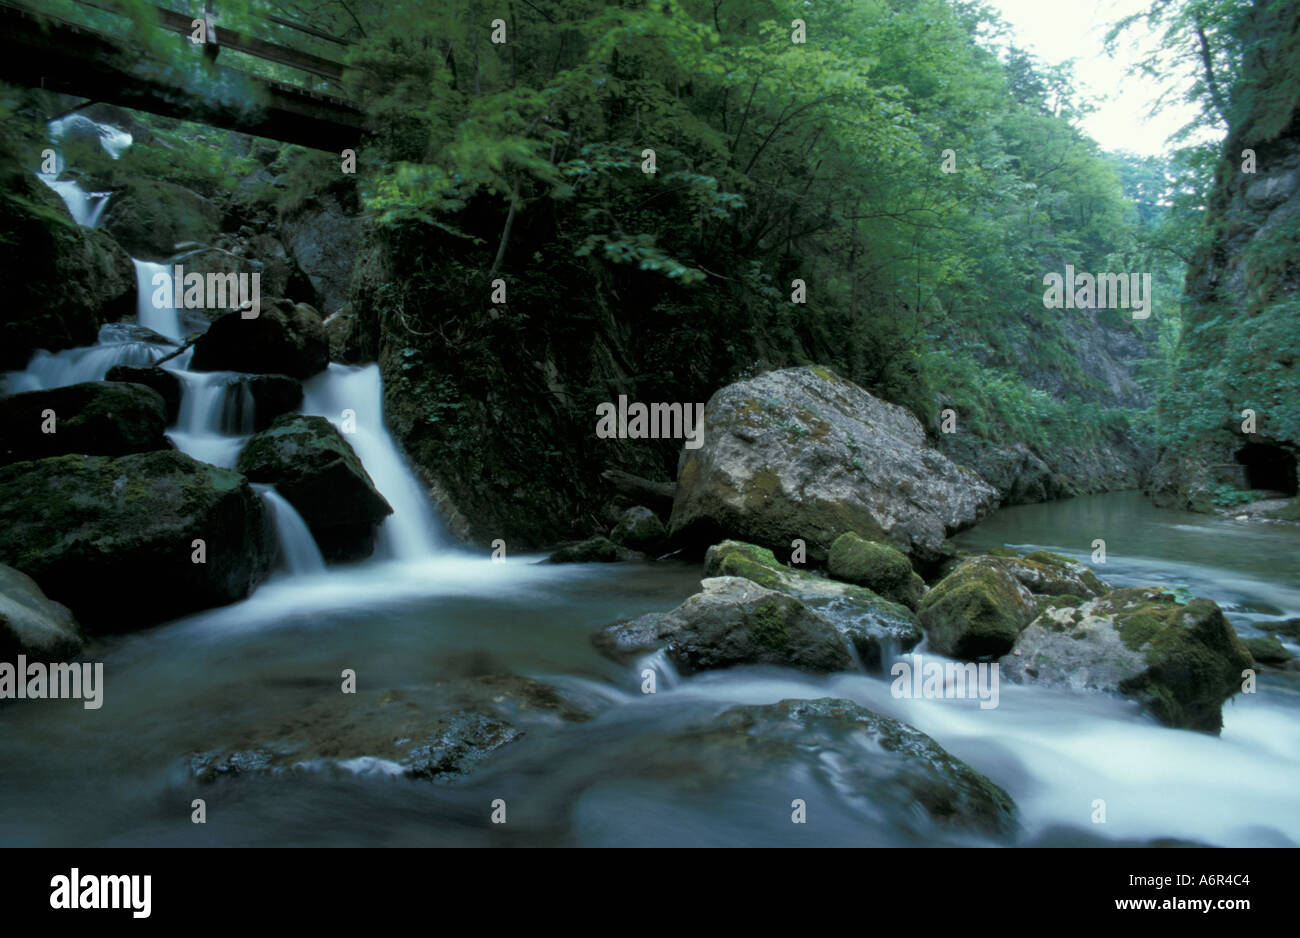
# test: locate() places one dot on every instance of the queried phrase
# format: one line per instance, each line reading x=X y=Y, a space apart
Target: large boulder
x=149 y=218
x=1180 y=661
x=114 y=539
x=876 y=628
x=314 y=468
x=285 y=339
x=803 y=454
x=639 y=529
x=253 y=402
x=32 y=624
x=879 y=567
x=96 y=418
x=1044 y=573
x=977 y=611
x=164 y=382
x=324 y=240
x=901 y=776
x=63 y=280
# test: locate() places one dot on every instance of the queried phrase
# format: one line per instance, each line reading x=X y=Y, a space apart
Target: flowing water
x=424 y=611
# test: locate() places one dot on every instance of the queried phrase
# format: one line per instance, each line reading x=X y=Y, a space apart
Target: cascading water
x=162 y=318
x=297 y=547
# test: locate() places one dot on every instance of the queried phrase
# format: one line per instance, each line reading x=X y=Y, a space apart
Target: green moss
x=767 y=626
x=879 y=567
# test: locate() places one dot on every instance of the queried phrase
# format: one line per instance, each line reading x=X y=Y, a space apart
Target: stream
x=425 y=609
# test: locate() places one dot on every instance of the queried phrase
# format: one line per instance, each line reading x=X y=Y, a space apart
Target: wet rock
x=1047 y=574
x=31 y=624
x=149 y=217
x=313 y=467
x=394 y=733
x=977 y=611
x=639 y=529
x=594 y=550
x=164 y=382
x=803 y=454
x=893 y=770
x=255 y=401
x=96 y=418
x=877 y=628
x=324 y=240
x=1181 y=661
x=63 y=280
x=878 y=567
x=1267 y=650
x=285 y=339
x=732 y=621
x=114 y=539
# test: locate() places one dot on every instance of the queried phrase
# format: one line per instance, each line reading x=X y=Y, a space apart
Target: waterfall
x=86 y=207
x=297 y=547
x=164 y=319
x=353 y=400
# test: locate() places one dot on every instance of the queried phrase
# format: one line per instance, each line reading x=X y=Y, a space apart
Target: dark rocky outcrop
x=803 y=454
x=1180 y=661
x=594 y=550
x=638 y=528
x=284 y=339
x=313 y=467
x=113 y=539
x=31 y=624
x=253 y=402
x=96 y=418
x=324 y=240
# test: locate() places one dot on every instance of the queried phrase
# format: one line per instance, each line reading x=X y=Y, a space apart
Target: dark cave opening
x=1268 y=467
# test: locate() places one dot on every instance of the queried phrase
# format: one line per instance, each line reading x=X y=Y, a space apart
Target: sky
x=1057 y=30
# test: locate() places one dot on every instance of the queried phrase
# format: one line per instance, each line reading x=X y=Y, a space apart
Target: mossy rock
x=149 y=218
x=1047 y=574
x=594 y=550
x=1179 y=660
x=639 y=528
x=284 y=339
x=879 y=567
x=1267 y=650
x=312 y=466
x=877 y=627
x=114 y=539
x=976 y=611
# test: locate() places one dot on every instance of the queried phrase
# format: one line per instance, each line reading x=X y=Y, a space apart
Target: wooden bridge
x=56 y=54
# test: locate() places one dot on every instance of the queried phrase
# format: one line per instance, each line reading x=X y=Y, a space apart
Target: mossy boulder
x=876 y=627
x=164 y=382
x=1044 y=573
x=594 y=550
x=977 y=611
x=149 y=218
x=639 y=528
x=114 y=539
x=879 y=567
x=32 y=624
x=803 y=454
x=313 y=467
x=1181 y=661
x=912 y=785
x=96 y=418
x=732 y=621
x=284 y=339
x=62 y=280
x=1267 y=650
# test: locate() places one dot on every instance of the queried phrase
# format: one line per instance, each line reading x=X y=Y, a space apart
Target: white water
x=297 y=547
x=162 y=319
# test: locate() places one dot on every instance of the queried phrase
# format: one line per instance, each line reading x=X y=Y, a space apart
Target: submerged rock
x=95 y=418
x=876 y=566
x=877 y=628
x=803 y=454
x=977 y=611
x=284 y=339
x=32 y=624
x=594 y=550
x=1179 y=661
x=893 y=770
x=1267 y=650
x=115 y=539
x=313 y=467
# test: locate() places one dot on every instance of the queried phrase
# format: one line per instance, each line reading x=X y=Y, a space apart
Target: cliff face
x=1241 y=338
